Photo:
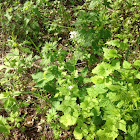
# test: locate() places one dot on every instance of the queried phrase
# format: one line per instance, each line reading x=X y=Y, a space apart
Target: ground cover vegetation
x=70 y=69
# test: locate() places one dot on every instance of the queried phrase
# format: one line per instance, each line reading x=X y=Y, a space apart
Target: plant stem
x=37 y=48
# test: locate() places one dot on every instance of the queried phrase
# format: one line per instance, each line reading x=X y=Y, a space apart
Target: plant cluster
x=81 y=62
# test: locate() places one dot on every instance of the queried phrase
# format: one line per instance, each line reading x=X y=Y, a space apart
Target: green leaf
x=36 y=11
x=138 y=75
x=68 y=120
x=113 y=96
x=67 y=105
x=122 y=125
x=120 y=104
x=64 y=108
x=103 y=69
x=87 y=80
x=70 y=65
x=111 y=112
x=123 y=46
x=104 y=135
x=84 y=72
x=114 y=87
x=110 y=124
x=44 y=81
x=137 y=64
x=133 y=130
x=41 y=83
x=78 y=55
x=78 y=133
x=52 y=115
x=114 y=42
x=28 y=58
x=37 y=76
x=92 y=127
x=110 y=53
x=97 y=79
x=119 y=138
x=90 y=136
x=100 y=88
x=115 y=64
x=85 y=129
x=84 y=105
x=48 y=77
x=26 y=50
x=127 y=65
x=42 y=78
x=26 y=42
x=104 y=102
x=91 y=92
x=4 y=126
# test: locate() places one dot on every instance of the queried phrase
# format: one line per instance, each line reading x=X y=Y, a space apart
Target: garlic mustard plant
x=70 y=87
x=73 y=34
